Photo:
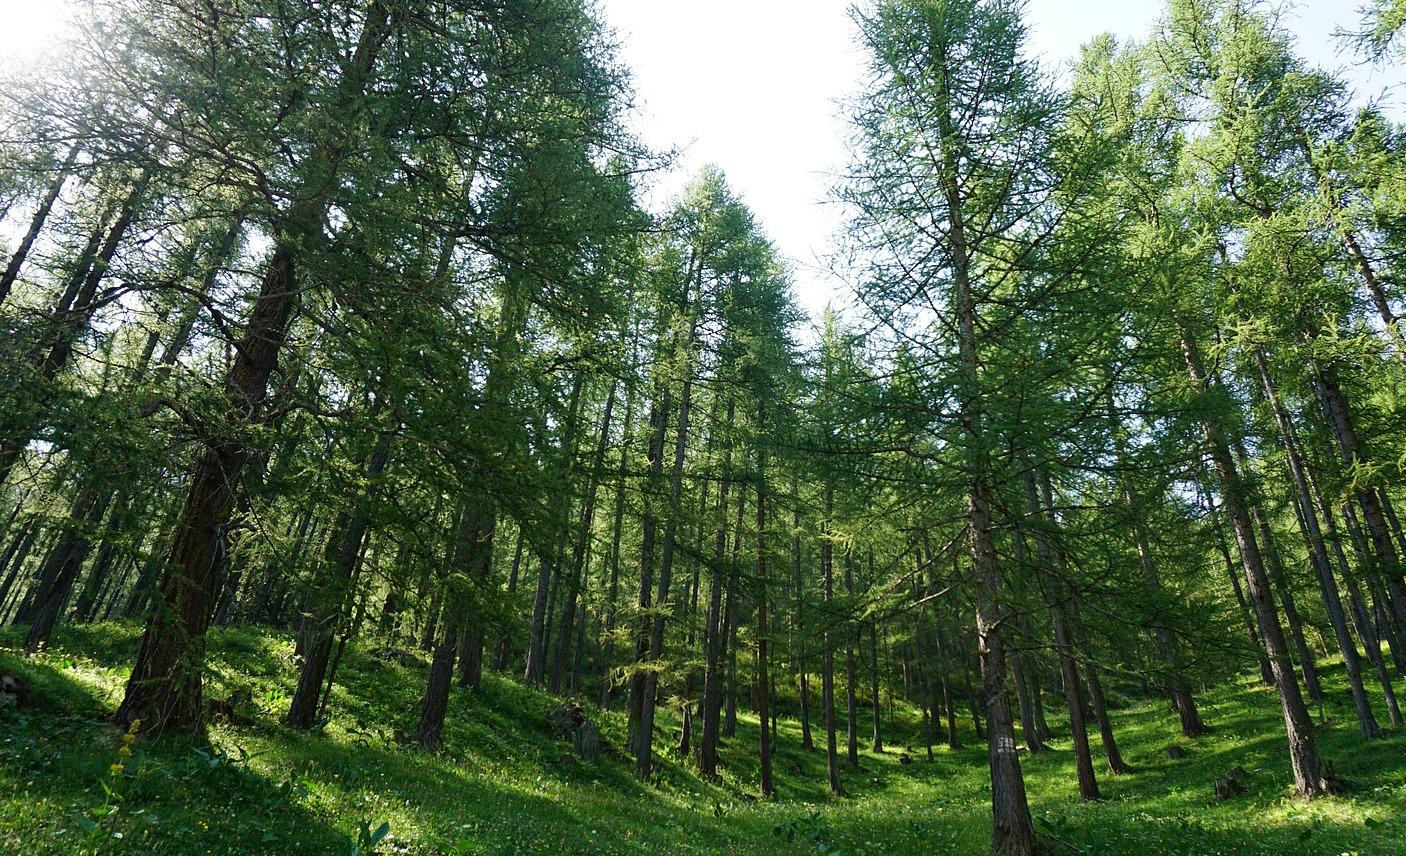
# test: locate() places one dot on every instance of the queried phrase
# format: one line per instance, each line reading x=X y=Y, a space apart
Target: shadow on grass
x=67 y=788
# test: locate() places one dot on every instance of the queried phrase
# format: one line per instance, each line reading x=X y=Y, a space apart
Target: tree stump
x=586 y=740
x=1232 y=783
x=568 y=722
x=14 y=691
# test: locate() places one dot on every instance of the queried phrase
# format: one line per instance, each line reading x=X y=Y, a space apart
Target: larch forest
x=378 y=474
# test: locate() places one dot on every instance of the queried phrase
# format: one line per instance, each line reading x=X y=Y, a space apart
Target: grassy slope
x=504 y=786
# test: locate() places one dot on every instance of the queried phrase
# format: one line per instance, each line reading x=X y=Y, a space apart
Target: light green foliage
x=1383 y=21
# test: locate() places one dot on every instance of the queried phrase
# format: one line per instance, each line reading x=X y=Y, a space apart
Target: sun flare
x=28 y=27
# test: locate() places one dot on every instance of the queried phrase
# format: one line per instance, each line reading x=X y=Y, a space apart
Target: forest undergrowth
x=504 y=785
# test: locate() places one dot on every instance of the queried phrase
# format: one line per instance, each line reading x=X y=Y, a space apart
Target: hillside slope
x=505 y=785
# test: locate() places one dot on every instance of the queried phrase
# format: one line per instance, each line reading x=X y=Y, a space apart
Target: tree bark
x=1318 y=551
x=36 y=224
x=716 y=623
x=332 y=596
x=768 y=789
x=165 y=689
x=1311 y=776
x=827 y=649
x=62 y=566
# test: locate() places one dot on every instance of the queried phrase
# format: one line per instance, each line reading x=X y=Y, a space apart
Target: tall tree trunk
x=1281 y=587
x=1024 y=706
x=612 y=597
x=1042 y=522
x=1318 y=551
x=36 y=223
x=165 y=689
x=62 y=566
x=768 y=790
x=827 y=648
x=331 y=599
x=1353 y=456
x=874 y=702
x=663 y=600
x=641 y=741
x=1311 y=776
x=470 y=558
x=1390 y=322
x=798 y=626
x=715 y=622
x=944 y=666
x=434 y=707
x=585 y=521
x=851 y=638
x=99 y=577
x=1251 y=630
x=505 y=641
x=536 y=668
x=1381 y=596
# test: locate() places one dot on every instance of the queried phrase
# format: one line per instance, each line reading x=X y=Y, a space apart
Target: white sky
x=753 y=85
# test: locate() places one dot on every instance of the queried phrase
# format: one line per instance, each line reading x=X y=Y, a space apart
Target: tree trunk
x=663 y=599
x=1353 y=456
x=827 y=649
x=851 y=705
x=165 y=689
x=716 y=623
x=536 y=667
x=768 y=790
x=613 y=587
x=949 y=706
x=505 y=642
x=641 y=741
x=1281 y=587
x=875 y=705
x=62 y=566
x=41 y=214
x=1390 y=322
x=331 y=598
x=798 y=627
x=1042 y=521
x=1318 y=551
x=1266 y=673
x=434 y=707
x=1311 y=776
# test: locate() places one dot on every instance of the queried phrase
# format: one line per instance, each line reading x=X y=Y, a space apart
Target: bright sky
x=752 y=86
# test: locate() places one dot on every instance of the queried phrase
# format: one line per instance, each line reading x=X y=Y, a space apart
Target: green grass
x=503 y=785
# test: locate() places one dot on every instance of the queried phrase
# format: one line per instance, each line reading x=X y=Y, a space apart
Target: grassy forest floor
x=504 y=785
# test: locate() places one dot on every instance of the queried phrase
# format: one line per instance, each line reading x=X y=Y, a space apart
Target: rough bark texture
x=165 y=689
